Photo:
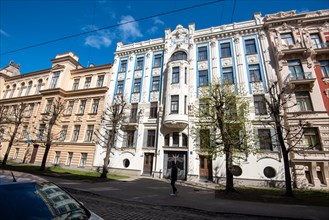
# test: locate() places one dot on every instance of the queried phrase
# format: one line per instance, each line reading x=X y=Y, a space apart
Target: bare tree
x=112 y=118
x=53 y=114
x=224 y=114
x=287 y=136
x=14 y=120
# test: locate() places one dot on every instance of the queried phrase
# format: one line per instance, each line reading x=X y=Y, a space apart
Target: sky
x=33 y=32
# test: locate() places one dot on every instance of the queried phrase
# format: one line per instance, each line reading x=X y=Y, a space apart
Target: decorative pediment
x=57 y=67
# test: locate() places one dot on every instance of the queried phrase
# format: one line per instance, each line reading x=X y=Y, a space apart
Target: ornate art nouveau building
x=83 y=90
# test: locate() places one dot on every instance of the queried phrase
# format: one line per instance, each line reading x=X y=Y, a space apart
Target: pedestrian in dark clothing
x=173 y=177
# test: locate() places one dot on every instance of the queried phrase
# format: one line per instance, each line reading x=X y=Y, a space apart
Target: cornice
x=20 y=99
x=141 y=49
x=27 y=75
x=66 y=58
x=94 y=68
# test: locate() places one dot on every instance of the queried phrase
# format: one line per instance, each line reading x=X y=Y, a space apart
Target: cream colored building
x=83 y=90
x=300 y=48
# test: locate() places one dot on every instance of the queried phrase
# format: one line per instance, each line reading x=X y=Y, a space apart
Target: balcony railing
x=301 y=76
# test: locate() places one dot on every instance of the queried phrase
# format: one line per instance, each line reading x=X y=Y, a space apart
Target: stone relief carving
x=121 y=76
x=257 y=88
x=227 y=62
x=138 y=74
x=202 y=65
x=252 y=59
x=134 y=97
x=280 y=15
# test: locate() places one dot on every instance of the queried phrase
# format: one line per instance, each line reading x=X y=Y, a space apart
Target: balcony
x=302 y=80
x=176 y=121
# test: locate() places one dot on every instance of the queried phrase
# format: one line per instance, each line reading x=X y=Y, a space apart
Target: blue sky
x=24 y=24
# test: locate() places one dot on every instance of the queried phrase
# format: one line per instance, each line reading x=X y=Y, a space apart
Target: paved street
x=147 y=198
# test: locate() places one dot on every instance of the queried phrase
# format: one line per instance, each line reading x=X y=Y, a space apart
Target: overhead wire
x=110 y=26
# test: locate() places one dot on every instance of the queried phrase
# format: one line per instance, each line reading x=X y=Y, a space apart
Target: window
x=204 y=138
x=185 y=75
x=100 y=81
x=30 y=112
x=303 y=100
x=12 y=91
x=175 y=75
x=133 y=113
x=6 y=92
x=175 y=139
x=202 y=53
x=76 y=132
x=325 y=68
x=312 y=139
x=82 y=106
x=42 y=129
x=48 y=106
x=316 y=42
x=156 y=83
x=63 y=133
x=295 y=68
x=154 y=110
x=39 y=87
x=250 y=46
x=185 y=104
x=76 y=84
x=203 y=78
x=29 y=87
x=157 y=60
x=254 y=73
x=286 y=39
x=174 y=104
x=57 y=157
x=151 y=138
x=87 y=82
x=21 y=90
x=137 y=86
x=140 y=62
x=16 y=153
x=225 y=50
x=123 y=66
x=184 y=138
x=83 y=160
x=24 y=132
x=167 y=140
x=69 y=158
x=94 y=107
x=69 y=108
x=130 y=138
x=89 y=133
x=260 y=105
x=265 y=139
x=54 y=80
x=180 y=55
x=120 y=88
x=228 y=75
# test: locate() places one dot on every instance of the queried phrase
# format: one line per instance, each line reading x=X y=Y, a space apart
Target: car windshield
x=39 y=201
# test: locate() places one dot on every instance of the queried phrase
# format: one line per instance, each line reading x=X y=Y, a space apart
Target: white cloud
x=156 y=23
x=98 y=39
x=129 y=29
x=4 y=33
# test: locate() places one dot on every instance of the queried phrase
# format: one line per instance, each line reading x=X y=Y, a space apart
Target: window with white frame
x=254 y=73
x=28 y=89
x=228 y=75
x=265 y=139
x=250 y=46
x=83 y=160
x=202 y=53
x=76 y=84
x=119 y=88
x=203 y=78
x=123 y=66
x=6 y=92
x=225 y=50
x=89 y=133
x=87 y=82
x=57 y=157
x=139 y=63
x=69 y=158
x=312 y=138
x=157 y=60
x=150 y=138
x=324 y=68
x=39 y=86
x=156 y=83
x=130 y=138
x=303 y=101
x=76 y=132
x=174 y=104
x=12 y=91
x=63 y=133
x=94 y=107
x=154 y=110
x=137 y=86
x=100 y=81
x=260 y=105
x=175 y=75
x=54 y=80
x=296 y=70
x=316 y=42
x=69 y=108
x=42 y=129
x=21 y=90
x=82 y=106
x=287 y=39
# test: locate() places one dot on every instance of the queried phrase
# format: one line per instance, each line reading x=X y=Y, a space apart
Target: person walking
x=173 y=178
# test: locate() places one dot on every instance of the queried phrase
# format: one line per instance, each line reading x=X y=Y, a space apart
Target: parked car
x=38 y=200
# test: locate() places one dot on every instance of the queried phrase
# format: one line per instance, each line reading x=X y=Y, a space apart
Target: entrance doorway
x=205 y=168
x=34 y=153
x=148 y=164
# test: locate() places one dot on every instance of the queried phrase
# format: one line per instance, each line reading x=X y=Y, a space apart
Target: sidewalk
x=191 y=195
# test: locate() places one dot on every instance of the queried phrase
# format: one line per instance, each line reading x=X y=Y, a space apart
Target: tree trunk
x=12 y=138
x=229 y=175
x=44 y=159
x=287 y=174
x=109 y=145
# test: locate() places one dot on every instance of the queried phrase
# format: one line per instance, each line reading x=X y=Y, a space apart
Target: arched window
x=6 y=92
x=39 y=87
x=12 y=91
x=21 y=89
x=179 y=55
x=29 y=87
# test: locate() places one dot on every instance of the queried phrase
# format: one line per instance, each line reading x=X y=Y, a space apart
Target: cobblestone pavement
x=111 y=208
